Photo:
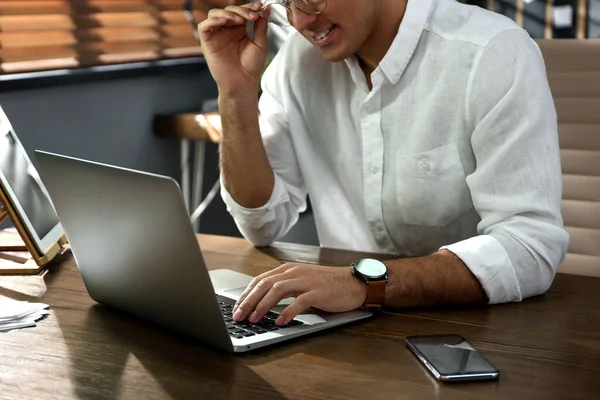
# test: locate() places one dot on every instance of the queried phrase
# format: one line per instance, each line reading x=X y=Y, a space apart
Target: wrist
x=239 y=106
x=246 y=95
x=239 y=114
x=360 y=290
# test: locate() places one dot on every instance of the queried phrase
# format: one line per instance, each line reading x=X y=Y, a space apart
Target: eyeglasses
x=188 y=10
x=279 y=12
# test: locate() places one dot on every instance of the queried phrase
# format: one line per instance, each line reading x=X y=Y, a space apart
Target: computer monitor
x=24 y=189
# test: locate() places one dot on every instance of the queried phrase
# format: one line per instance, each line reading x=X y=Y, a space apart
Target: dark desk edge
x=31 y=80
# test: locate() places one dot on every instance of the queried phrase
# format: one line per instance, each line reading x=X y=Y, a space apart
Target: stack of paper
x=20 y=314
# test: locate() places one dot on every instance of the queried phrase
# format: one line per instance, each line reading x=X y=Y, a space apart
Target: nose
x=301 y=20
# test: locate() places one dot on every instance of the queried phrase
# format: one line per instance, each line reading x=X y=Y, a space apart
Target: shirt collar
x=403 y=47
x=404 y=44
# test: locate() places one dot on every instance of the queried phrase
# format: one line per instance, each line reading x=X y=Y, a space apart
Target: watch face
x=371 y=268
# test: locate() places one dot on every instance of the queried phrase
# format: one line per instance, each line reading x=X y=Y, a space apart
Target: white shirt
x=455 y=146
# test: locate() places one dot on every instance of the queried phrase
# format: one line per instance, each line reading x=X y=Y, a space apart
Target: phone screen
x=451 y=357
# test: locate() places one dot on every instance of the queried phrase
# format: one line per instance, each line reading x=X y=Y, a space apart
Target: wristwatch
x=375 y=274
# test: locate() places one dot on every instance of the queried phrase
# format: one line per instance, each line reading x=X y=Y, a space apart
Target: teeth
x=322 y=34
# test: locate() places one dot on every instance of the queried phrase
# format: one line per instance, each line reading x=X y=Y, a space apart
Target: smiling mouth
x=323 y=34
x=324 y=38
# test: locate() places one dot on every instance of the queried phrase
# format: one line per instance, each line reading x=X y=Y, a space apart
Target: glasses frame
x=188 y=10
x=287 y=5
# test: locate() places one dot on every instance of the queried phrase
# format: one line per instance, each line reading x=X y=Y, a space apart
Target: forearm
x=245 y=167
x=437 y=279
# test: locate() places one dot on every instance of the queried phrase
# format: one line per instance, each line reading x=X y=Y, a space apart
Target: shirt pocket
x=431 y=187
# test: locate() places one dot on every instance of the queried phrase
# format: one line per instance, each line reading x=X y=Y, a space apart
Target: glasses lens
x=311 y=6
x=276 y=13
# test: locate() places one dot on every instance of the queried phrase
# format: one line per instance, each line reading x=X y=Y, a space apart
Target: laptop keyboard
x=246 y=328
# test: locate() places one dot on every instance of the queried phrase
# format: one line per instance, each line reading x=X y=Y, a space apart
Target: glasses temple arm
x=188 y=10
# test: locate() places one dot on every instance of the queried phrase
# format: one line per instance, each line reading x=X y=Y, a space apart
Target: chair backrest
x=573 y=68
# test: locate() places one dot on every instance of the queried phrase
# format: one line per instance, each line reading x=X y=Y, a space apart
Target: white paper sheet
x=20 y=314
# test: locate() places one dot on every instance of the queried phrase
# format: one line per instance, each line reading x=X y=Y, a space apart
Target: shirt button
x=424 y=165
x=374 y=170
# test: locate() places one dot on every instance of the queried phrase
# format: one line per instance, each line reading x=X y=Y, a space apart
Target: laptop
x=137 y=252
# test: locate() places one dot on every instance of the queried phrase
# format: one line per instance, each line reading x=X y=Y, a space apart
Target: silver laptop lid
x=134 y=244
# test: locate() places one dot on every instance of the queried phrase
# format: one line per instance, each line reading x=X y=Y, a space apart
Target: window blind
x=53 y=34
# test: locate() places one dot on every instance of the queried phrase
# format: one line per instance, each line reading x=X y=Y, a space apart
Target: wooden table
x=546 y=347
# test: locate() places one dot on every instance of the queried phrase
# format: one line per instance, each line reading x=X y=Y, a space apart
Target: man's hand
x=331 y=289
x=235 y=61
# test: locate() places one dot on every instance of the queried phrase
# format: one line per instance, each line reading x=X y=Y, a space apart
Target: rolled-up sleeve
x=264 y=225
x=516 y=186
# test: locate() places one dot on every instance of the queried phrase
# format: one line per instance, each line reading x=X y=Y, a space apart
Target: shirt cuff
x=489 y=262
x=255 y=217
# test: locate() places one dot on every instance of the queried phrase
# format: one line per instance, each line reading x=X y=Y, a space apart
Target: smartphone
x=450 y=358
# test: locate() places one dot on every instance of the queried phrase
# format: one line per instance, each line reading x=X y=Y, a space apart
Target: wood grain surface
x=546 y=347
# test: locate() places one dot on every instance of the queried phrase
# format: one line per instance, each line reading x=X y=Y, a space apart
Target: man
x=417 y=127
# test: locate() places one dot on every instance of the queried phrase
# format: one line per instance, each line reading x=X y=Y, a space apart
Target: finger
x=255 y=5
x=211 y=23
x=235 y=13
x=249 y=11
x=279 y=291
x=281 y=269
x=256 y=294
x=301 y=303
x=243 y=9
x=251 y=286
x=260 y=34
x=233 y=18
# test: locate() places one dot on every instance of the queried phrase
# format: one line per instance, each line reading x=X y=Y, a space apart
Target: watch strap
x=376 y=295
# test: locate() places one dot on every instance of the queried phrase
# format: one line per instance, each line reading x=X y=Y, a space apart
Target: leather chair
x=573 y=68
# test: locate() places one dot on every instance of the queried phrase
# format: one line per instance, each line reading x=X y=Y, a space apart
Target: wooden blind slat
x=178 y=30
x=36 y=39
x=62 y=37
x=91 y=7
x=39 y=65
x=43 y=52
x=36 y=22
x=169 y=42
x=116 y=19
x=180 y=52
x=57 y=21
x=172 y=17
x=36 y=53
x=32 y=8
x=38 y=35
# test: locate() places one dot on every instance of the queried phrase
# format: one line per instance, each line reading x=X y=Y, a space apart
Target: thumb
x=260 y=34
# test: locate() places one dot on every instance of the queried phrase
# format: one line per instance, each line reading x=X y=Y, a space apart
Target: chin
x=334 y=54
